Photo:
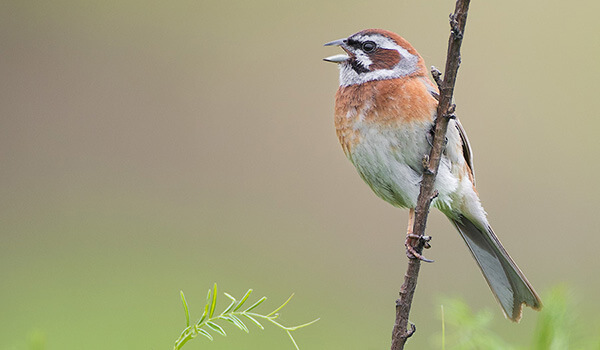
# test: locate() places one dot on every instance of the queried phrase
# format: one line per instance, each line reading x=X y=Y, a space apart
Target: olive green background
x=152 y=146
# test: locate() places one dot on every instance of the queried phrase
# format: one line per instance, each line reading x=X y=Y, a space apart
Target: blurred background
x=149 y=147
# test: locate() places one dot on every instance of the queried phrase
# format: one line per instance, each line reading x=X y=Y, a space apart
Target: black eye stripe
x=366 y=46
x=354 y=43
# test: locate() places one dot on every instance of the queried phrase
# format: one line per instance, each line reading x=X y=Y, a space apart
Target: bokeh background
x=148 y=147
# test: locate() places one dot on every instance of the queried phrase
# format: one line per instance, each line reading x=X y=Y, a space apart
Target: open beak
x=337 y=58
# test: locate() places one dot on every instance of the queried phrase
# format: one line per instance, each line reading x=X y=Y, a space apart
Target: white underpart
x=390 y=161
x=408 y=62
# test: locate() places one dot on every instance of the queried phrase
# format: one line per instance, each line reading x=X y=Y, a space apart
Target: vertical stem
x=445 y=111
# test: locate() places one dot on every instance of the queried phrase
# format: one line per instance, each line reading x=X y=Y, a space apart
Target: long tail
x=509 y=285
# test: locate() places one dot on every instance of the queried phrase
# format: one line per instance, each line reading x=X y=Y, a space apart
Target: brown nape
x=384 y=59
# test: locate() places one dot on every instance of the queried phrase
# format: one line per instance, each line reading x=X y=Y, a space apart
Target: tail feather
x=507 y=282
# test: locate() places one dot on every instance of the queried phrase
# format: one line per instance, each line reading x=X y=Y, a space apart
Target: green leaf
x=208 y=294
x=239 y=323
x=281 y=307
x=205 y=333
x=185 y=307
x=204 y=314
x=206 y=306
x=214 y=302
x=230 y=305
x=260 y=301
x=302 y=325
x=215 y=327
x=254 y=320
x=243 y=300
x=229 y=296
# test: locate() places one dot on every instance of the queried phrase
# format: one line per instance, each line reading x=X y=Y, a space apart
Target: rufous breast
x=383 y=103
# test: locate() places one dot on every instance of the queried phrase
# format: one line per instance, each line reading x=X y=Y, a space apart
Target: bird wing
x=466 y=146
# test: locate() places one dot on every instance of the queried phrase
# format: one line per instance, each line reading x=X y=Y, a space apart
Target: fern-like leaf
x=233 y=315
x=244 y=298
x=255 y=305
x=215 y=327
x=255 y=321
x=205 y=333
x=185 y=307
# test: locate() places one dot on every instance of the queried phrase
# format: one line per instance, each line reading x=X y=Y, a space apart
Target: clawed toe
x=411 y=253
x=424 y=239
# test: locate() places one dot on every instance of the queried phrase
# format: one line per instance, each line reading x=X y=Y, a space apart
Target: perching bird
x=384 y=112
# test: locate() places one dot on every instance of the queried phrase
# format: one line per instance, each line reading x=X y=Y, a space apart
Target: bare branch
x=445 y=112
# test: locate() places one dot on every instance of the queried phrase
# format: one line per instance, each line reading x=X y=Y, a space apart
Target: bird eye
x=369 y=46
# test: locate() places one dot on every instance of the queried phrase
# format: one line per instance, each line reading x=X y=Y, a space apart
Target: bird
x=385 y=109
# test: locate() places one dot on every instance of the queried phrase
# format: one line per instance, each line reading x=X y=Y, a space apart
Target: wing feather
x=466 y=146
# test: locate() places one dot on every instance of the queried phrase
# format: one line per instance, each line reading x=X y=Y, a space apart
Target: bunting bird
x=385 y=108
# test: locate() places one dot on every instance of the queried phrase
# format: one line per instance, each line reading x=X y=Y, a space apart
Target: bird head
x=375 y=54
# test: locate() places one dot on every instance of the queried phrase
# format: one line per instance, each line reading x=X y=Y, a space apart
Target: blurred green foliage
x=558 y=327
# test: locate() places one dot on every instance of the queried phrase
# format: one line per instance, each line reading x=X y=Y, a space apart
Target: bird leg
x=410 y=236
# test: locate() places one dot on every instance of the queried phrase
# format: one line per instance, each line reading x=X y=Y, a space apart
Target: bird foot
x=409 y=333
x=425 y=239
x=411 y=253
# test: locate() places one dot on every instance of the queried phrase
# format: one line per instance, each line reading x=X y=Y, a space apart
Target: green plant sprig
x=231 y=314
